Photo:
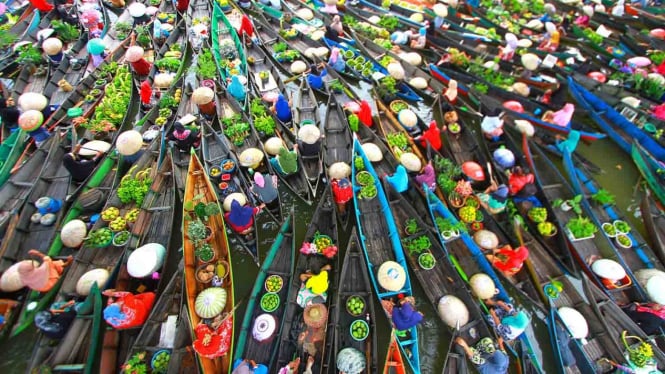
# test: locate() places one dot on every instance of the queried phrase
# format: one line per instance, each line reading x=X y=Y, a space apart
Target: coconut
x=653 y=280
x=524 y=43
x=535 y=24
x=374 y=20
x=73 y=233
x=86 y=281
x=129 y=142
x=631 y=101
x=521 y=89
x=305 y=14
x=32 y=101
x=525 y=127
x=486 y=239
x=321 y=52
x=203 y=95
x=411 y=162
x=250 y=157
x=453 y=311
x=137 y=9
x=339 y=170
x=417 y=17
x=407 y=118
x=146 y=260
x=52 y=46
x=575 y=322
x=31 y=120
x=10 y=281
x=413 y=58
x=273 y=145
x=163 y=80
x=239 y=197
x=373 y=152
x=530 y=61
x=483 y=286
x=396 y=70
x=608 y=269
x=298 y=67
x=419 y=83
x=309 y=134
x=440 y=10
x=391 y=276
x=134 y=53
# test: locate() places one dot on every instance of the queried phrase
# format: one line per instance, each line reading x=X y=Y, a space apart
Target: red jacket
x=431 y=135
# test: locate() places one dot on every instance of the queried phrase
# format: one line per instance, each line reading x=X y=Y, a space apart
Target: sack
x=92 y=200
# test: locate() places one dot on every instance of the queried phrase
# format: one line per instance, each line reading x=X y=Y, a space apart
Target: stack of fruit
x=359 y=330
x=132 y=215
x=100 y=237
x=110 y=214
x=355 y=305
x=118 y=224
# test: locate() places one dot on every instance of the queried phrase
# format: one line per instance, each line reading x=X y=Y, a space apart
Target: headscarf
x=240 y=215
x=501 y=193
x=563 y=116
x=491 y=122
x=519 y=321
x=246 y=26
x=236 y=89
x=333 y=55
x=259 y=180
x=422 y=31
x=451 y=92
x=571 y=143
x=428 y=177
x=365 y=113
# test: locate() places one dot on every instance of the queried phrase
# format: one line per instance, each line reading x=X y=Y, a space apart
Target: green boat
x=278 y=268
x=222 y=30
x=10 y=151
x=650 y=170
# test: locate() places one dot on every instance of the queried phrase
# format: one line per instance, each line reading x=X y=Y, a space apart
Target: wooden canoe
x=354 y=281
x=222 y=30
x=650 y=170
x=279 y=262
x=323 y=222
x=394 y=362
x=306 y=112
x=380 y=242
x=197 y=184
x=654 y=222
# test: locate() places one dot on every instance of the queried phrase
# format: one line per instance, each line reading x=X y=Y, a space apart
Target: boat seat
x=336 y=131
x=22 y=184
x=49 y=179
x=158 y=208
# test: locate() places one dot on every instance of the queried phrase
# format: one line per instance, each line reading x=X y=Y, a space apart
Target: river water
x=619 y=176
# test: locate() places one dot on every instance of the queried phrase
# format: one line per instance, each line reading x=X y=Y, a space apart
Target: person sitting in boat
x=451 y=94
x=286 y=162
x=265 y=187
x=246 y=28
x=570 y=144
x=314 y=282
x=584 y=19
x=492 y=124
x=485 y=356
x=138 y=13
x=333 y=35
x=315 y=76
x=508 y=260
x=404 y=314
x=248 y=367
x=9 y=113
x=508 y=323
x=241 y=217
x=336 y=25
x=236 y=88
x=420 y=40
x=342 y=193
x=403 y=37
x=43 y=277
x=427 y=177
x=432 y=136
x=650 y=317
x=336 y=60
x=80 y=168
x=508 y=52
x=494 y=198
x=551 y=39
x=185 y=138
x=282 y=108
x=547 y=97
x=291 y=368
x=400 y=179
x=309 y=140
x=518 y=179
x=658 y=111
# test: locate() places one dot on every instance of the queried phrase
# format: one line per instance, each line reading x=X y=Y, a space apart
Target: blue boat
x=622 y=131
x=403 y=90
x=469 y=257
x=378 y=235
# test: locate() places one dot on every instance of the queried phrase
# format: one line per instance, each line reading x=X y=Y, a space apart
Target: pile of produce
x=355 y=305
x=270 y=302
x=274 y=283
x=100 y=237
x=359 y=330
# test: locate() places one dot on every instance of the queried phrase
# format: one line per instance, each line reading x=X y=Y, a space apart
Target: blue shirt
x=282 y=109
x=339 y=64
x=316 y=81
x=497 y=363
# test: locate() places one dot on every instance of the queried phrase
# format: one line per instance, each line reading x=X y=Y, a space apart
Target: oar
x=490 y=171
x=232 y=310
x=293 y=78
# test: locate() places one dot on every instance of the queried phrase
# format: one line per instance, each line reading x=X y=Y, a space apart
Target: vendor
x=282 y=109
x=336 y=60
x=43 y=277
x=309 y=140
x=420 y=40
x=508 y=323
x=427 y=177
x=650 y=317
x=507 y=260
x=485 y=356
x=561 y=117
x=314 y=286
x=9 y=113
x=80 y=168
x=400 y=179
x=492 y=124
x=404 y=315
x=315 y=76
x=236 y=88
x=248 y=367
x=265 y=187
x=570 y=144
x=241 y=218
x=518 y=179
x=494 y=198
x=342 y=193
x=286 y=162
x=185 y=138
x=432 y=136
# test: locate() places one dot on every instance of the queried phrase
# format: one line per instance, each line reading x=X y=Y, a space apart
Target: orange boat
x=394 y=362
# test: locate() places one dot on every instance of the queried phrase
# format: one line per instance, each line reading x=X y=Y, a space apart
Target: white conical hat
x=32 y=101
x=134 y=53
x=608 y=269
x=250 y=157
x=137 y=9
x=524 y=43
x=298 y=67
x=273 y=145
x=530 y=61
x=631 y=101
x=575 y=322
x=453 y=311
x=520 y=88
x=440 y=10
x=482 y=285
x=339 y=170
x=129 y=142
x=239 y=197
x=309 y=134
x=525 y=127
x=550 y=27
x=52 y=46
x=418 y=82
x=373 y=152
x=203 y=95
x=391 y=276
x=411 y=162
